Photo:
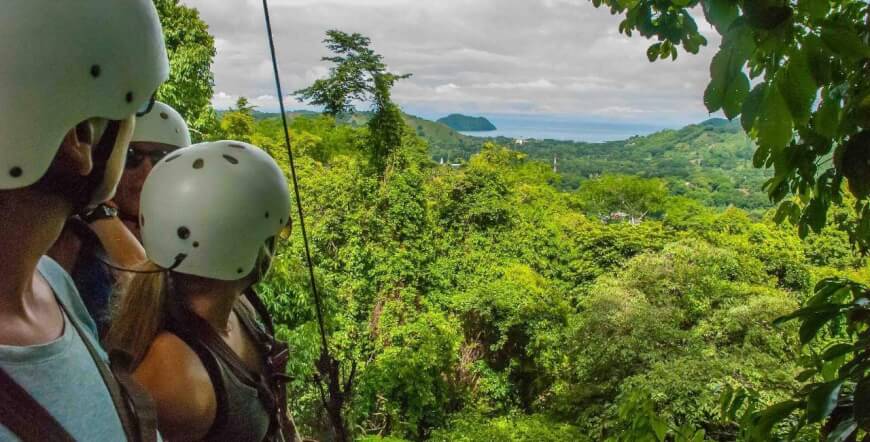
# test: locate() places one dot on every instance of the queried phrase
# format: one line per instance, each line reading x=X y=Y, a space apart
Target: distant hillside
x=439 y=136
x=710 y=161
x=465 y=123
x=266 y=115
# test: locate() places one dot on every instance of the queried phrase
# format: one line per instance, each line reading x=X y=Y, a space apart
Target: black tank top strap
x=212 y=367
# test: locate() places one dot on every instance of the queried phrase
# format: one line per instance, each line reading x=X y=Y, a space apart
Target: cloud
x=486 y=56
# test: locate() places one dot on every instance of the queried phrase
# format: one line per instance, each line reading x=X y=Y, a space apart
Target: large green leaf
x=798 y=87
x=822 y=400
x=827 y=118
x=751 y=107
x=836 y=351
x=845 y=41
x=720 y=13
x=714 y=95
x=818 y=59
x=814 y=8
x=813 y=323
x=774 y=124
x=766 y=14
x=652 y=53
x=771 y=416
x=729 y=86
x=735 y=94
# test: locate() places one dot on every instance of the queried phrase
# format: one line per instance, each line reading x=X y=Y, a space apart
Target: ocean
x=565 y=128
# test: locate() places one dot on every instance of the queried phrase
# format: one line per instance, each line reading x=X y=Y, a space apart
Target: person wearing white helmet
x=73 y=77
x=108 y=234
x=210 y=215
x=157 y=134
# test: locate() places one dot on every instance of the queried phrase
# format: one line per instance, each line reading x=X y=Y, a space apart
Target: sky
x=562 y=58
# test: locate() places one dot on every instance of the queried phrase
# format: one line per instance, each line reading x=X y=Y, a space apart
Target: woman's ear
x=77 y=148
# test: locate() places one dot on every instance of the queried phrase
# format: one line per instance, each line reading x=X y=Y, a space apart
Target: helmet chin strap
x=178 y=260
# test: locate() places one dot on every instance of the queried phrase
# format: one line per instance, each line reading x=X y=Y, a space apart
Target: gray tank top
x=242 y=414
x=245 y=417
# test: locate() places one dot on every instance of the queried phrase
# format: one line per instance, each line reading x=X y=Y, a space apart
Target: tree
x=360 y=75
x=809 y=113
x=191 y=52
x=637 y=197
x=238 y=123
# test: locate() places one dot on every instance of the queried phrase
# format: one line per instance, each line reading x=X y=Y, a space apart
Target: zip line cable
x=327 y=366
x=317 y=302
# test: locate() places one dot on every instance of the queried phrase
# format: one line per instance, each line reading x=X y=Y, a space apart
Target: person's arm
x=180 y=387
x=122 y=247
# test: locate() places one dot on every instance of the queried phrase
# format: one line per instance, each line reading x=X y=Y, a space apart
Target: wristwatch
x=102 y=211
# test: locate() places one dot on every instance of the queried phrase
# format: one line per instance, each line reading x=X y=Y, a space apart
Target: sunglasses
x=135 y=157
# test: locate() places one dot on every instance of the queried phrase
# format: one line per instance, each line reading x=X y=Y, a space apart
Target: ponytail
x=140 y=312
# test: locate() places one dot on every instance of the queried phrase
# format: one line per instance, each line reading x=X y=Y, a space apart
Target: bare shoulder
x=177 y=380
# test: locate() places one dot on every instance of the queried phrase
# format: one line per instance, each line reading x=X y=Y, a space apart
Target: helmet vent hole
x=267 y=215
x=183 y=232
x=231 y=159
x=236 y=145
x=129 y=97
x=164 y=115
x=96 y=71
x=198 y=163
x=281 y=221
x=16 y=172
x=173 y=157
x=195 y=244
x=240 y=270
x=142 y=220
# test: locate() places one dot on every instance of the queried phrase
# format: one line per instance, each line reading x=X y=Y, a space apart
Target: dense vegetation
x=809 y=111
x=710 y=162
x=484 y=303
x=465 y=123
x=499 y=300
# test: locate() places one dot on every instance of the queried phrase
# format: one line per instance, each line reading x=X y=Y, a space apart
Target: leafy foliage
x=191 y=51
x=710 y=162
x=482 y=302
x=809 y=112
x=359 y=74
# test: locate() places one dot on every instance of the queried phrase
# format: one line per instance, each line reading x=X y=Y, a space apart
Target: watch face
x=100 y=212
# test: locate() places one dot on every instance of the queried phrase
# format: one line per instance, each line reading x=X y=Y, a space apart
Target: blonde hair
x=140 y=312
x=143 y=308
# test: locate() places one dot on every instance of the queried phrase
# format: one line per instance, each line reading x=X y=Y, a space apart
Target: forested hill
x=710 y=162
x=468 y=124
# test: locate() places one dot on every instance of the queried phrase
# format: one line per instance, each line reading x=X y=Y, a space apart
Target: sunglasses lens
x=158 y=155
x=134 y=159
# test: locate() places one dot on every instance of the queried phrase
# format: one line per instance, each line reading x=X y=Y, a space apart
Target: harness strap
x=143 y=404
x=212 y=368
x=126 y=405
x=25 y=417
x=277 y=358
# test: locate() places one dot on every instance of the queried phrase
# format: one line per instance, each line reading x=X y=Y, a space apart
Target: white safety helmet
x=67 y=62
x=162 y=125
x=208 y=209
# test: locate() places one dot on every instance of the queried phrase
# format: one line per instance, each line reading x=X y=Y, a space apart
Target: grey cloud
x=485 y=56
